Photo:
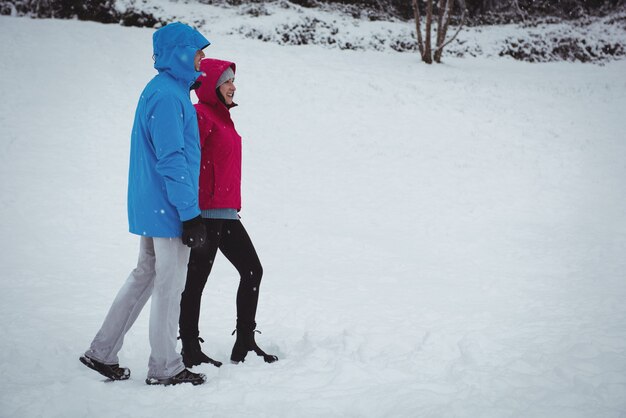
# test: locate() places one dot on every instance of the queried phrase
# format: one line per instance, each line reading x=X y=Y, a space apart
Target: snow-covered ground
x=438 y=241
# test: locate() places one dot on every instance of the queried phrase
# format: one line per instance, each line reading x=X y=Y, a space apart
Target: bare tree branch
x=519 y=10
x=457 y=31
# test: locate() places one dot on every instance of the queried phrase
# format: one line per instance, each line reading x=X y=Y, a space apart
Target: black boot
x=185 y=376
x=193 y=355
x=245 y=342
x=112 y=371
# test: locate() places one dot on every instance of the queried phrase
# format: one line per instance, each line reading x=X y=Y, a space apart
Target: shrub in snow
x=585 y=40
x=103 y=11
x=538 y=49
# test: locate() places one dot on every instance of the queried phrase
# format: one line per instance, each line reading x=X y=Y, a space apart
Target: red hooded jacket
x=220 y=164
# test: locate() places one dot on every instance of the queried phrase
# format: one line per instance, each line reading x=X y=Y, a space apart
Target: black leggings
x=233 y=241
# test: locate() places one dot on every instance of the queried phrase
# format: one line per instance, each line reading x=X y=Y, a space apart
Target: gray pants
x=160 y=273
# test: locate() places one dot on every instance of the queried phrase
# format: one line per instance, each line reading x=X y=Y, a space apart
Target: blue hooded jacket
x=165 y=147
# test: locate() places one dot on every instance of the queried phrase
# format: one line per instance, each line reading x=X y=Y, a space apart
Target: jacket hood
x=211 y=70
x=175 y=46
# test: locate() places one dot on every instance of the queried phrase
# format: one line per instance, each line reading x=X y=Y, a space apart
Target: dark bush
x=103 y=11
x=561 y=48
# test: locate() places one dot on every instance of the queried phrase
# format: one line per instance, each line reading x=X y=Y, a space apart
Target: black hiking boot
x=245 y=342
x=185 y=376
x=111 y=371
x=193 y=355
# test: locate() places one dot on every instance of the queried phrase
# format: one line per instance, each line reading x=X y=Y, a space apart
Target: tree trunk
x=439 y=49
x=428 y=53
x=418 y=28
x=441 y=7
x=446 y=13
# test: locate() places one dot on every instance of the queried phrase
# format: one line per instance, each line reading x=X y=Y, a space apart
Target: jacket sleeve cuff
x=188 y=213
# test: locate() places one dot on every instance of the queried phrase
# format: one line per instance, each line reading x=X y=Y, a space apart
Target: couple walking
x=184 y=195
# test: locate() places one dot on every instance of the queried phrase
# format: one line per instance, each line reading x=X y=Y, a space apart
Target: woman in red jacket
x=220 y=202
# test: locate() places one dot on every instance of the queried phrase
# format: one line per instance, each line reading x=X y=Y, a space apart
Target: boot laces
x=235 y=330
x=199 y=338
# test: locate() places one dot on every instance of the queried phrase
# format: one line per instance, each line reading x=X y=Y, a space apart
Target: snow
x=437 y=241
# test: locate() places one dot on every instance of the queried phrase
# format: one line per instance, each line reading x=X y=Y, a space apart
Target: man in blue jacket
x=162 y=209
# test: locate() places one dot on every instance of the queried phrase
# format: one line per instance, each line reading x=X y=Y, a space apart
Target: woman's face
x=228 y=91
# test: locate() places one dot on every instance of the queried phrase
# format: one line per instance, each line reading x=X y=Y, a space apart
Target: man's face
x=197 y=59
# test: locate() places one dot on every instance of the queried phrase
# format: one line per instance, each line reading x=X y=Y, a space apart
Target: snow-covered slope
x=438 y=241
